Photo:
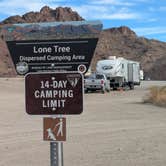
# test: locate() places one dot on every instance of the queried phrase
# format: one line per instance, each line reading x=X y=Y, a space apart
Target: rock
x=46 y=14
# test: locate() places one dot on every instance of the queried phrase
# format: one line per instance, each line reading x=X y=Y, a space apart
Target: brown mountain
x=46 y=14
x=123 y=42
x=120 y=42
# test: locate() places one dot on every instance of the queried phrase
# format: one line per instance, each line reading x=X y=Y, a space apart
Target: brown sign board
x=54 y=93
x=54 y=129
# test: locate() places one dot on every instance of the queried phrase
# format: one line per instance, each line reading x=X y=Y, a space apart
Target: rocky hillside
x=46 y=14
x=6 y=66
x=120 y=42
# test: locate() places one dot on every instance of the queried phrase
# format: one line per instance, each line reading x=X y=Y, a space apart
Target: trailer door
x=136 y=73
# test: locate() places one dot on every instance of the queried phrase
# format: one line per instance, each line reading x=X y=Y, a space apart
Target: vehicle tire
x=103 y=90
x=86 y=90
x=131 y=85
x=115 y=88
x=108 y=89
x=125 y=87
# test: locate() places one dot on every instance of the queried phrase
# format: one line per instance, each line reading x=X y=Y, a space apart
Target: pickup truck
x=96 y=82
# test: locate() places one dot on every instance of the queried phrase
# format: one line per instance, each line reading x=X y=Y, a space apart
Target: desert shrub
x=156 y=95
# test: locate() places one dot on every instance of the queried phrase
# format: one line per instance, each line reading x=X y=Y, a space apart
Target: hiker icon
x=54 y=129
x=50 y=134
x=60 y=129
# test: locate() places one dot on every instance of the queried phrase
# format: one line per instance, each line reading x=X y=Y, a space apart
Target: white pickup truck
x=96 y=82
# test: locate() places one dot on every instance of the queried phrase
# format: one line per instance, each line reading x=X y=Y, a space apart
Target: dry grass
x=157 y=96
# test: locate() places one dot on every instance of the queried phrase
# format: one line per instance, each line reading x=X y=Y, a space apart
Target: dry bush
x=157 y=96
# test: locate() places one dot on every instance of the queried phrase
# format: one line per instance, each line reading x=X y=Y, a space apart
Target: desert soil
x=115 y=129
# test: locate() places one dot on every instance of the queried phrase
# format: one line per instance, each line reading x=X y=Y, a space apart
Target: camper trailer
x=121 y=72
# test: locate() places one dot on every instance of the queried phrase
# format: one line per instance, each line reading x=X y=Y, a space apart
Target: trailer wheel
x=131 y=85
x=125 y=86
x=103 y=90
x=86 y=90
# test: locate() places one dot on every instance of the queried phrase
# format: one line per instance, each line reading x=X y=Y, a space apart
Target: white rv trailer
x=121 y=72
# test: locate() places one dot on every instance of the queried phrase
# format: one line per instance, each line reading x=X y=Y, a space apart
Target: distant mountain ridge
x=120 y=42
x=123 y=42
x=46 y=14
x=51 y=30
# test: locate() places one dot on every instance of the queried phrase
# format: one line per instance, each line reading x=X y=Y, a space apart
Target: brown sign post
x=54 y=93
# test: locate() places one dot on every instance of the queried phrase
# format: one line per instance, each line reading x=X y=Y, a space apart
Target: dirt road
x=115 y=129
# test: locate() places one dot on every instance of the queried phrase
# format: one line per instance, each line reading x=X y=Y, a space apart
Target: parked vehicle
x=95 y=82
x=121 y=72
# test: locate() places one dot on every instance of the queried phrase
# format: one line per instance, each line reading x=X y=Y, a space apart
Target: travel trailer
x=121 y=72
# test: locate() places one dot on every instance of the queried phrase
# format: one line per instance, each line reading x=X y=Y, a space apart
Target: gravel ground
x=115 y=129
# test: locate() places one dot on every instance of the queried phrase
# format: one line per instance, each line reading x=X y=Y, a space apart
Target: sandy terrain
x=115 y=129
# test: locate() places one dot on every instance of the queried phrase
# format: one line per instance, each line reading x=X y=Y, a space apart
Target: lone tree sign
x=54 y=93
x=54 y=46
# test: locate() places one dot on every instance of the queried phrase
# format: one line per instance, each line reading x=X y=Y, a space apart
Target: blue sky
x=146 y=17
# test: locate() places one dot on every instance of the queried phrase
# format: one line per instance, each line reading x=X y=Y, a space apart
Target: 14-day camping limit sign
x=54 y=93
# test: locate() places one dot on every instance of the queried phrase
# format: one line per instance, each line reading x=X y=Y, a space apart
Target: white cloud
x=91 y=9
x=152 y=9
x=145 y=1
x=150 y=30
x=105 y=12
x=112 y=2
x=88 y=11
x=19 y=7
x=152 y=20
x=120 y=16
x=162 y=8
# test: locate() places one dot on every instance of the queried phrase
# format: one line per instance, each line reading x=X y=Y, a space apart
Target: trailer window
x=107 y=67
